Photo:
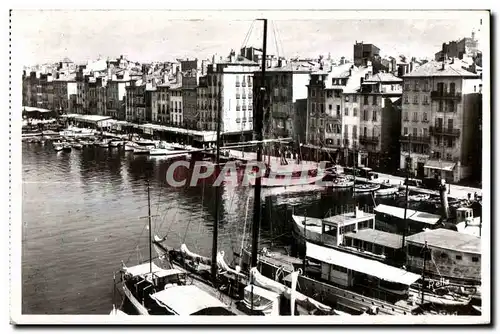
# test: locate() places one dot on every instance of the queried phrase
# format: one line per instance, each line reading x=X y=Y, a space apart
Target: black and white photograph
x=284 y=167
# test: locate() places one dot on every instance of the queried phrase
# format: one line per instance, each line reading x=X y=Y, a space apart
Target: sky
x=48 y=36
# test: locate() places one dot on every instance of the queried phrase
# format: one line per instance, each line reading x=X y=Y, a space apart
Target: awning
x=442 y=165
x=186 y=299
x=417 y=216
x=360 y=264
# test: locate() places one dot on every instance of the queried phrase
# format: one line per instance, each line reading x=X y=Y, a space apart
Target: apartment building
x=115 y=98
x=205 y=116
x=161 y=104
x=135 y=107
x=441 y=112
x=285 y=85
x=229 y=86
x=176 y=105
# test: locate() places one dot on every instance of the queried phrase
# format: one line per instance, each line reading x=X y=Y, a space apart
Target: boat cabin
x=189 y=300
x=392 y=219
x=451 y=255
x=465 y=215
x=379 y=244
x=366 y=276
x=336 y=227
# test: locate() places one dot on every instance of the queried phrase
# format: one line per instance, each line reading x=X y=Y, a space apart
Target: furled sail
x=277 y=287
x=222 y=265
x=193 y=256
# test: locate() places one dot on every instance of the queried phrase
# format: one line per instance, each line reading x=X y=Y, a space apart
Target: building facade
x=161 y=104
x=176 y=105
x=205 y=116
x=285 y=85
x=229 y=86
x=115 y=98
x=440 y=111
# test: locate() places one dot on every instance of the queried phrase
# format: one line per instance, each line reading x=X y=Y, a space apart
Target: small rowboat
x=387 y=191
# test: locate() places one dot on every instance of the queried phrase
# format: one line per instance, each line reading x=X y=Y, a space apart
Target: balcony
x=368 y=140
x=416 y=139
x=438 y=95
x=441 y=131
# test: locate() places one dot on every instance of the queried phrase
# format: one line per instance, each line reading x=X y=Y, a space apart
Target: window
x=425 y=132
x=448 y=156
x=374 y=116
x=405 y=116
x=415 y=132
x=354 y=98
x=338 y=109
x=374 y=100
x=313 y=92
x=416 y=85
x=426 y=99
x=329 y=93
x=330 y=107
x=424 y=117
x=365 y=115
x=444 y=255
x=347 y=98
x=355 y=112
x=474 y=88
x=450 y=124
x=338 y=142
x=365 y=131
x=450 y=142
x=321 y=123
x=322 y=108
x=407 y=86
x=440 y=106
x=452 y=88
x=346 y=111
x=475 y=259
x=458 y=257
x=366 y=100
x=405 y=131
x=415 y=116
x=313 y=107
x=354 y=132
x=406 y=99
x=346 y=130
x=415 y=99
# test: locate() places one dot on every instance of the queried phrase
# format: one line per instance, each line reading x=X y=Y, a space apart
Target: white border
x=16 y=189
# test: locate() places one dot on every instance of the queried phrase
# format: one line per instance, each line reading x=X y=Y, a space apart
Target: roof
x=448 y=239
x=442 y=165
x=348 y=218
x=435 y=69
x=377 y=237
x=360 y=264
x=417 y=216
x=90 y=118
x=383 y=77
x=66 y=60
x=239 y=60
x=186 y=299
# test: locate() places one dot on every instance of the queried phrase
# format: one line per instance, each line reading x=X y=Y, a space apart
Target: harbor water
x=83 y=213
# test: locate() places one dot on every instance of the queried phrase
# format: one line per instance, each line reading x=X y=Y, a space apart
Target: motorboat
x=366 y=188
x=387 y=191
x=78 y=146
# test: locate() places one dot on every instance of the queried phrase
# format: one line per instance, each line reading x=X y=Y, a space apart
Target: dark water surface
x=82 y=216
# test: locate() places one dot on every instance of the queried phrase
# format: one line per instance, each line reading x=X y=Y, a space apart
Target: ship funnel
x=444 y=199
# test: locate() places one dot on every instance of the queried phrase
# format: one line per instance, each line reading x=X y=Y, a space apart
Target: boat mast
x=217 y=190
x=423 y=272
x=149 y=229
x=405 y=225
x=258 y=134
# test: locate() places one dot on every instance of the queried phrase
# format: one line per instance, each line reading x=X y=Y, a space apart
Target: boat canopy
x=417 y=216
x=186 y=299
x=360 y=264
x=142 y=269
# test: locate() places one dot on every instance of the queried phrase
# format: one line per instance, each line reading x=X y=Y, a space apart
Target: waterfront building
x=161 y=104
x=64 y=88
x=441 y=110
x=379 y=120
x=135 y=107
x=176 y=105
x=286 y=84
x=205 y=116
x=115 y=98
x=191 y=70
x=230 y=83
